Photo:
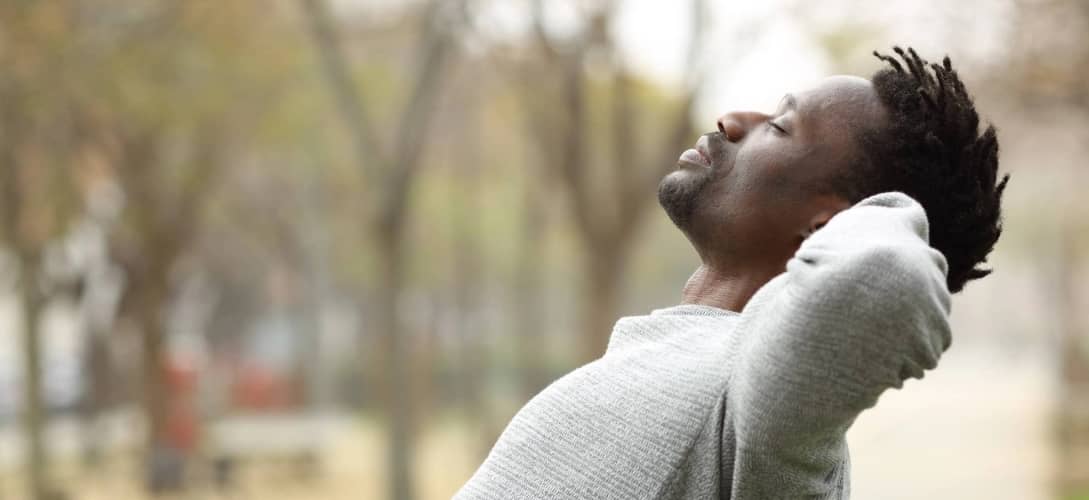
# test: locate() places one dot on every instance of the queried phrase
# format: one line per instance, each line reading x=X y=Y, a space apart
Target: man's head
x=751 y=192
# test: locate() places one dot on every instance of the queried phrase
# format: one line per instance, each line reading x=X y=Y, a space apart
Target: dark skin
x=749 y=194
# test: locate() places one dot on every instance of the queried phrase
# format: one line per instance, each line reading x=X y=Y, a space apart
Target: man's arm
x=862 y=307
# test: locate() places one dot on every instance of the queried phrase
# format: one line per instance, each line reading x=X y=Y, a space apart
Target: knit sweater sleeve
x=863 y=306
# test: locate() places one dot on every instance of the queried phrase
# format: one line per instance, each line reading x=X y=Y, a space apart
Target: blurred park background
x=325 y=248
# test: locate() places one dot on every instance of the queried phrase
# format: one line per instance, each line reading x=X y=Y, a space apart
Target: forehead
x=840 y=106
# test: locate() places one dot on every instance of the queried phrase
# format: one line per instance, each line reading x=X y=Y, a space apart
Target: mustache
x=716 y=147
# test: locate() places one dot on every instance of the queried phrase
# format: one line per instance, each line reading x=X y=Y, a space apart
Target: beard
x=679 y=194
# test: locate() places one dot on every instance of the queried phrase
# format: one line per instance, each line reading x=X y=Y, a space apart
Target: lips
x=703 y=147
x=697 y=156
x=694 y=157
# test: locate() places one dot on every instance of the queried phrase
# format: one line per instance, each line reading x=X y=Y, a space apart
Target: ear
x=824 y=208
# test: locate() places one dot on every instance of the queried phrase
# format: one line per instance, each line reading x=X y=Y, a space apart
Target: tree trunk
x=154 y=376
x=97 y=366
x=154 y=379
x=528 y=302
x=401 y=444
x=35 y=418
x=601 y=297
x=467 y=325
x=315 y=243
x=392 y=188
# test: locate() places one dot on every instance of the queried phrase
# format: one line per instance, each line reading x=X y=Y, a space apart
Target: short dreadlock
x=932 y=151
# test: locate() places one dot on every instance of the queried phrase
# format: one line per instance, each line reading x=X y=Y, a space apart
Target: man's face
x=754 y=185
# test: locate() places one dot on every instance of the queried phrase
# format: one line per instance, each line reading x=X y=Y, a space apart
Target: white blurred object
x=274 y=435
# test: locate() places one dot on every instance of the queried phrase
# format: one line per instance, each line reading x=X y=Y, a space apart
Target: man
x=831 y=234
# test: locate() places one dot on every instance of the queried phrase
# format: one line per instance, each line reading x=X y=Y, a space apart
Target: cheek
x=761 y=184
x=737 y=196
x=763 y=171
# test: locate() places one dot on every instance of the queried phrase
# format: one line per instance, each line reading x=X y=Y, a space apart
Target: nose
x=737 y=124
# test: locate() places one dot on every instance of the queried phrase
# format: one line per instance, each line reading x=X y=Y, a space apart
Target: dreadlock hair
x=931 y=150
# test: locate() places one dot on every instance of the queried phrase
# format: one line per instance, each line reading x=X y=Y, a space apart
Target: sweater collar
x=664 y=325
x=693 y=310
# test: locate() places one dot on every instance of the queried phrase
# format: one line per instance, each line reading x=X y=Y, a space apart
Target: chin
x=679 y=194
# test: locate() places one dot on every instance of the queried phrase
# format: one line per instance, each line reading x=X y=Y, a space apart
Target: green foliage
x=38 y=139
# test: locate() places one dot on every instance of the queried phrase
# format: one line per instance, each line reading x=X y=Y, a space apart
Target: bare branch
x=625 y=176
x=681 y=131
x=573 y=162
x=540 y=33
x=436 y=48
x=343 y=86
x=136 y=157
x=694 y=81
x=10 y=198
x=202 y=175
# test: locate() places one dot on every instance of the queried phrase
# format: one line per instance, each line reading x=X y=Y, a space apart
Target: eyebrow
x=791 y=102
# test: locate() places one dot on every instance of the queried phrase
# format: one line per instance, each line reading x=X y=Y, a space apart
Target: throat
x=724 y=289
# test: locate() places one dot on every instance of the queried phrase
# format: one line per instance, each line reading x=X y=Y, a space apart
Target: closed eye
x=781 y=130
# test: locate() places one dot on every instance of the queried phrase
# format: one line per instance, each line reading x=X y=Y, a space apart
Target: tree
x=167 y=150
x=389 y=174
x=37 y=147
x=162 y=222
x=609 y=203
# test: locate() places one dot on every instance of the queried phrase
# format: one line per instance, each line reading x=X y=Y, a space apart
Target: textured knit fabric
x=694 y=402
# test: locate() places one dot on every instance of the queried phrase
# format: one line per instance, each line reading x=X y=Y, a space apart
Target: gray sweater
x=698 y=402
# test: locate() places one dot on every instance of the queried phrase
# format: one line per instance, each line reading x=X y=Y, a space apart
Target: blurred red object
x=182 y=428
x=256 y=388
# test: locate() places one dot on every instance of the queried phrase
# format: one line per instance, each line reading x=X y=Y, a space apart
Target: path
x=976 y=427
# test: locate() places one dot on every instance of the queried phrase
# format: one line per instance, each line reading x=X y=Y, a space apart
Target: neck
x=723 y=288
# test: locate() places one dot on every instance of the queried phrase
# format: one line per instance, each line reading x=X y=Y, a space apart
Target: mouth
x=698 y=156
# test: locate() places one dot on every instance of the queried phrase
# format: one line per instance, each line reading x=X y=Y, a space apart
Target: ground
x=976 y=428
